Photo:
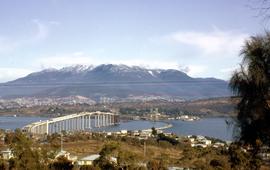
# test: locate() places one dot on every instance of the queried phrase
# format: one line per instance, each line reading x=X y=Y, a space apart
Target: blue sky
x=202 y=38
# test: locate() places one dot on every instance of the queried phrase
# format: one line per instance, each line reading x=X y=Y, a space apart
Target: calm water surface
x=133 y=125
x=212 y=127
x=8 y=122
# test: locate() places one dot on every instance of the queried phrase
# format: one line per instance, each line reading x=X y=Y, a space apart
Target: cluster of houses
x=201 y=141
x=187 y=118
x=140 y=134
x=87 y=160
x=195 y=141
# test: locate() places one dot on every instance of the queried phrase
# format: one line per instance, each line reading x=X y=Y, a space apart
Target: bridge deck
x=73 y=122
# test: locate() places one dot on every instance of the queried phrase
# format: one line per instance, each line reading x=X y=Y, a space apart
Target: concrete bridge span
x=74 y=122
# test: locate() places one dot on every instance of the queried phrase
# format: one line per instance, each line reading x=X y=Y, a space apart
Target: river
x=213 y=127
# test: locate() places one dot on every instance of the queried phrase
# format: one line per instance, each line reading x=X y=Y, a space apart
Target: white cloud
x=42 y=30
x=196 y=70
x=41 y=33
x=80 y=58
x=215 y=42
x=210 y=54
x=59 y=61
x=62 y=61
x=8 y=74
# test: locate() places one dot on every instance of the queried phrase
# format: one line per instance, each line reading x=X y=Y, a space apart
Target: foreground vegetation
x=157 y=152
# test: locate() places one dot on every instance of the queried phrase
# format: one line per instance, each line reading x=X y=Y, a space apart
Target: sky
x=202 y=38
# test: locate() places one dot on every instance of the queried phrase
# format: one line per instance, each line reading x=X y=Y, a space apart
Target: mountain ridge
x=83 y=69
x=114 y=81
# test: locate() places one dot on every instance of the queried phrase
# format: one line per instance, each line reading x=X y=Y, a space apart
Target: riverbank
x=160 y=128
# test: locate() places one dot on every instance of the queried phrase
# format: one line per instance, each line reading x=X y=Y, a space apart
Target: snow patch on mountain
x=77 y=68
x=151 y=72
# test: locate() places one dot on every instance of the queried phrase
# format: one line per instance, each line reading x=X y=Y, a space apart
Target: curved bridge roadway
x=74 y=122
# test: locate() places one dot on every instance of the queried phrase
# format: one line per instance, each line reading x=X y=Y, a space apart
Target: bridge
x=75 y=122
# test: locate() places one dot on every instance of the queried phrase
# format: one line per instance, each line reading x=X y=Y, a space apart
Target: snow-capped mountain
x=77 y=68
x=119 y=81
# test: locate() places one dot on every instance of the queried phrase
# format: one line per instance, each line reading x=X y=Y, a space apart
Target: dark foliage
x=162 y=137
x=251 y=83
x=3 y=165
x=89 y=167
x=156 y=165
x=240 y=159
x=106 y=152
x=62 y=163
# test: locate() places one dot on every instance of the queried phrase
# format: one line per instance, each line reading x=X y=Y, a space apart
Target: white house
x=207 y=142
x=200 y=137
x=191 y=140
x=88 y=160
x=124 y=132
x=66 y=155
x=63 y=153
x=7 y=154
x=198 y=145
x=218 y=144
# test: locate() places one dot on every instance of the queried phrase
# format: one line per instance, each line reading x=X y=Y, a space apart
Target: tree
x=251 y=84
x=62 y=163
x=3 y=165
x=127 y=160
x=162 y=137
x=12 y=164
x=89 y=167
x=108 y=149
x=106 y=152
x=240 y=159
x=25 y=157
x=155 y=165
x=154 y=131
x=261 y=7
